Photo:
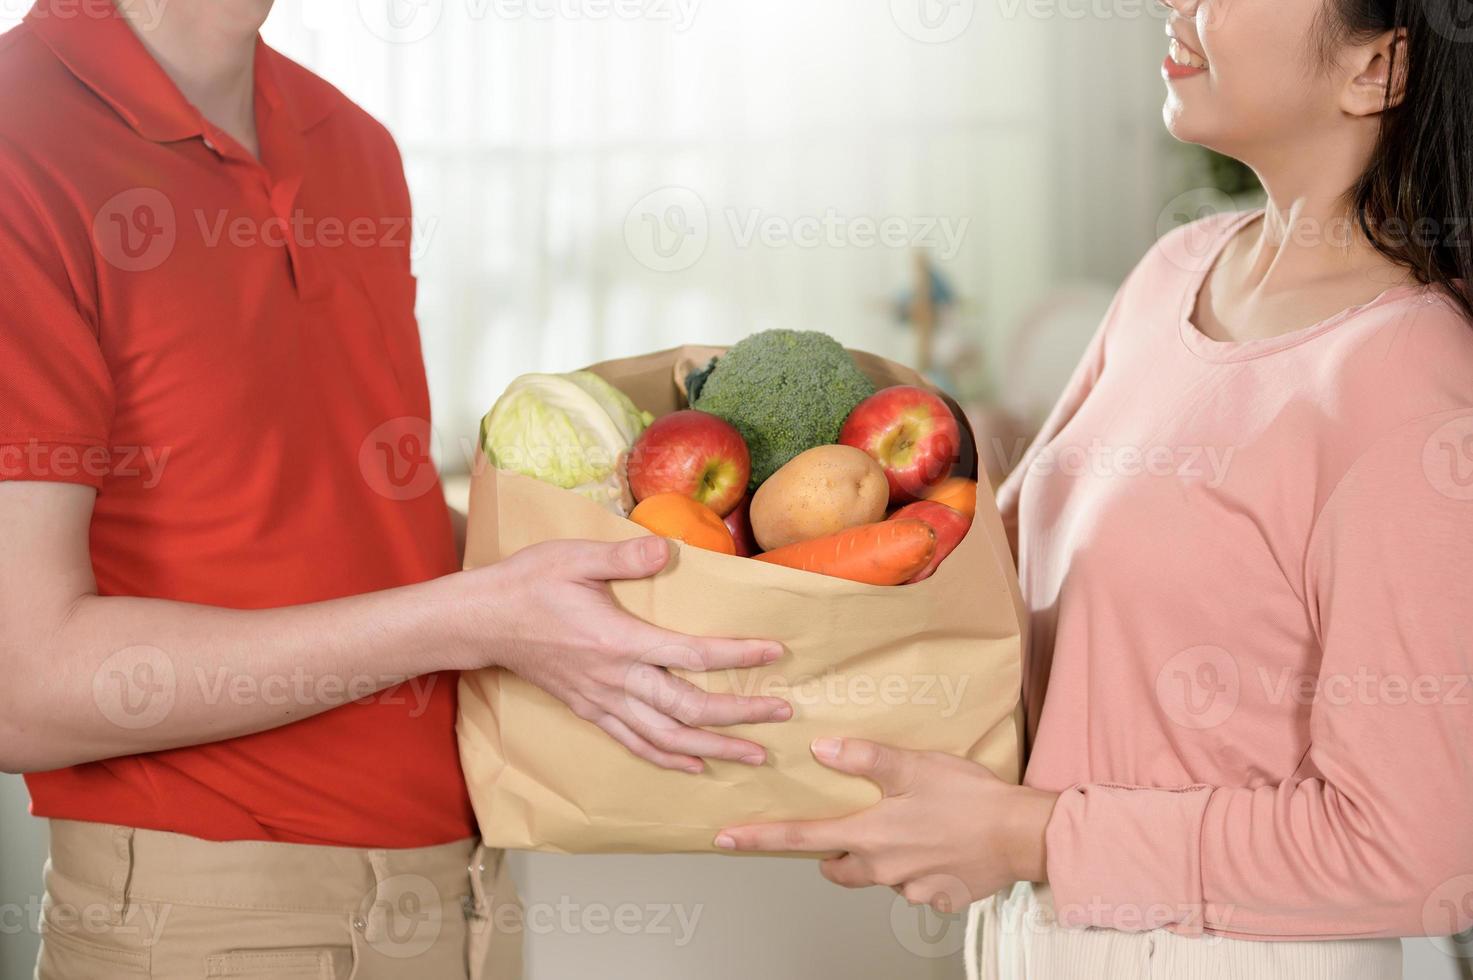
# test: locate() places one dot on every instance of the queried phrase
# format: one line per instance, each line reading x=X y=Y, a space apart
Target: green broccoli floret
x=785 y=391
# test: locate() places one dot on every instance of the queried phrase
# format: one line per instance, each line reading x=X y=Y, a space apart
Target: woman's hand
x=546 y=614
x=947 y=832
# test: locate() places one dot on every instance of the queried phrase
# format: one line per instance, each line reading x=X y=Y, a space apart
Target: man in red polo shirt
x=229 y=606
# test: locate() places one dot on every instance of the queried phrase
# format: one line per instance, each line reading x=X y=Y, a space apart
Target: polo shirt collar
x=307 y=105
x=101 y=50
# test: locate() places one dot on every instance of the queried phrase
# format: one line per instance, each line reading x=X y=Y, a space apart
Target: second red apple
x=739 y=523
x=950 y=525
x=691 y=453
x=911 y=433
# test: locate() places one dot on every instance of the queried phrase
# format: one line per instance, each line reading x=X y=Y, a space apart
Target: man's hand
x=946 y=833
x=554 y=623
x=546 y=613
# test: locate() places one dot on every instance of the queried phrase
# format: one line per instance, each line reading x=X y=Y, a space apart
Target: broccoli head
x=785 y=391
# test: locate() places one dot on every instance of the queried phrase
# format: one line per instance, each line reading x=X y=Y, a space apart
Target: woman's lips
x=1181 y=61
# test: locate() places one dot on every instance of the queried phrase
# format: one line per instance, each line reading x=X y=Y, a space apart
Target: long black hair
x=1415 y=200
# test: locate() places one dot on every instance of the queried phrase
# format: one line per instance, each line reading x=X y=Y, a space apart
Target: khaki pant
x=126 y=903
x=1013 y=936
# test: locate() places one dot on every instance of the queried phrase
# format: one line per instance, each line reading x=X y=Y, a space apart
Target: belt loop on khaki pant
x=379 y=909
x=480 y=906
x=122 y=873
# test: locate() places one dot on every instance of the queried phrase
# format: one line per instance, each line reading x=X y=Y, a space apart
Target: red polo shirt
x=226 y=349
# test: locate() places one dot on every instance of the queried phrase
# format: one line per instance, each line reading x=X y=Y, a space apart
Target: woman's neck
x=1307 y=258
x=208 y=49
x=1308 y=233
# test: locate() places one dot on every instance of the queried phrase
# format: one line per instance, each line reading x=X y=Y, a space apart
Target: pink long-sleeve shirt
x=1249 y=568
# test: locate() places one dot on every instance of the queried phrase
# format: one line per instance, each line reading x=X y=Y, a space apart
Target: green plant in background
x=1230 y=176
x=1193 y=168
x=1199 y=183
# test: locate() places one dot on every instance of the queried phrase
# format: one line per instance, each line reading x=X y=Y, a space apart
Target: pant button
x=360 y=923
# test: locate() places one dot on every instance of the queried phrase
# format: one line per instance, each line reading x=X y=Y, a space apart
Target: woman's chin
x=1179 y=123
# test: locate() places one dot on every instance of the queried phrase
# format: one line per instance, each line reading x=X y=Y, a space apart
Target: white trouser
x=1013 y=936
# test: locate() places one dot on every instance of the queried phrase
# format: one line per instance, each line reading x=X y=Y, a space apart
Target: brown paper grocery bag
x=934 y=665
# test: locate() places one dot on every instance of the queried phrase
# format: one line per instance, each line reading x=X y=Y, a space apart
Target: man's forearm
x=115 y=676
x=88 y=677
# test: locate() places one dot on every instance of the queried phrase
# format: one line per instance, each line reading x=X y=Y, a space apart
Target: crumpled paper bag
x=934 y=665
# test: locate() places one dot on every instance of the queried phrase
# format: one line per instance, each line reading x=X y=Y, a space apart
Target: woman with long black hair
x=1245 y=538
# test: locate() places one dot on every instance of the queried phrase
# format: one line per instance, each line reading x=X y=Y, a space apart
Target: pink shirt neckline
x=1226 y=351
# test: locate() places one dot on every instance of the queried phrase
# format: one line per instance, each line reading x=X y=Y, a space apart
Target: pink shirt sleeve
x=1080 y=383
x=1036 y=666
x=1373 y=834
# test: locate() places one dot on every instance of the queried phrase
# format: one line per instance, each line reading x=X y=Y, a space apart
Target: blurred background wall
x=595 y=178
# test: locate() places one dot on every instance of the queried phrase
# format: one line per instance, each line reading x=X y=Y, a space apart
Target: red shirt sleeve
x=56 y=392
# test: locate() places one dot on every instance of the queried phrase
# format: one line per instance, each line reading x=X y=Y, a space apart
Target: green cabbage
x=630 y=420
x=571 y=430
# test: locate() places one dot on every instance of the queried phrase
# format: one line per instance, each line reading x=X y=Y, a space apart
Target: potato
x=819 y=492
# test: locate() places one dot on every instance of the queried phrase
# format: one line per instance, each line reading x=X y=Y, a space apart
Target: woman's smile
x=1181 y=60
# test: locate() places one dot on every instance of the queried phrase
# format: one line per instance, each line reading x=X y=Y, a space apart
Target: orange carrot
x=886 y=553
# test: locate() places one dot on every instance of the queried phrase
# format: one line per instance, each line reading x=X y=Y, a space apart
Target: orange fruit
x=956 y=492
x=674 y=515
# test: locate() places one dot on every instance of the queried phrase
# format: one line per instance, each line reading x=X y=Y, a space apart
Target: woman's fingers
x=622 y=734
x=944 y=893
x=892 y=769
x=846 y=871
x=807 y=836
x=679 y=699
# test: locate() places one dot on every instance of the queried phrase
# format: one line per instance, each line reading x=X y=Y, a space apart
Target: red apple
x=739 y=523
x=691 y=453
x=911 y=433
x=949 y=524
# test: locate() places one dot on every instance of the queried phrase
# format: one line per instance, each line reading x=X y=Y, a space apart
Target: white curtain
x=594 y=178
x=597 y=178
